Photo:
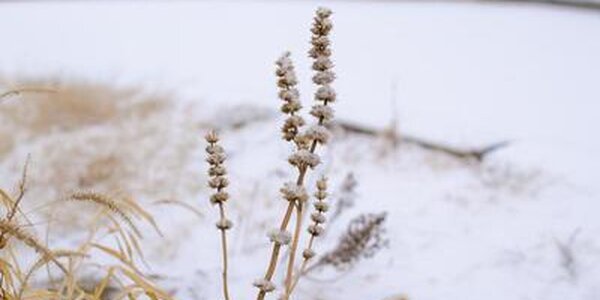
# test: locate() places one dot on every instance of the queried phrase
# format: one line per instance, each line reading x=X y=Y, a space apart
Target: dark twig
x=477 y=154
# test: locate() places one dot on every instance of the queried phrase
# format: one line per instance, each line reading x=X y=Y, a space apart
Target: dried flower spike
x=286 y=81
x=217 y=180
x=363 y=239
x=315 y=229
x=322 y=65
x=305 y=156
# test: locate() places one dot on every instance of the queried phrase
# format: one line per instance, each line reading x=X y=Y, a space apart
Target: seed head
x=264 y=285
x=304 y=157
x=224 y=224
x=322 y=112
x=363 y=239
x=315 y=229
x=318 y=133
x=219 y=197
x=308 y=254
x=293 y=192
x=280 y=237
x=212 y=137
x=321 y=206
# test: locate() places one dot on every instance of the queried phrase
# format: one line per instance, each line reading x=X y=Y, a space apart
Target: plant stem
x=276 y=249
x=224 y=253
x=294 y=247
x=302 y=270
x=284 y=224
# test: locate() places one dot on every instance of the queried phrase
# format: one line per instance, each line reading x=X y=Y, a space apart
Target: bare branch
x=477 y=154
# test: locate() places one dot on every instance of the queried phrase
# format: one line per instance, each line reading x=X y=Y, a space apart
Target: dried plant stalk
x=317 y=134
x=315 y=230
x=218 y=181
x=364 y=237
x=306 y=142
x=13 y=230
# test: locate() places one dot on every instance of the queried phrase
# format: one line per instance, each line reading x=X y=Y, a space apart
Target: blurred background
x=123 y=91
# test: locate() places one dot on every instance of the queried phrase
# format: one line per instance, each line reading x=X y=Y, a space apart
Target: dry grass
x=6 y=142
x=120 y=278
x=95 y=136
x=71 y=105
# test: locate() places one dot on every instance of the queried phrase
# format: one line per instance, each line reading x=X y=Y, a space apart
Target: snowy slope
x=463 y=74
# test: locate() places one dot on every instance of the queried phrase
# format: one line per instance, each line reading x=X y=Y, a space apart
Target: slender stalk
x=276 y=250
x=302 y=270
x=316 y=135
x=224 y=253
x=218 y=181
x=15 y=208
x=293 y=249
x=318 y=218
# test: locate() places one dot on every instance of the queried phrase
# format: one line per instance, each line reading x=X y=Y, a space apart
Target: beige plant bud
x=303 y=141
x=322 y=112
x=294 y=192
x=321 y=26
x=264 y=285
x=320 y=41
x=321 y=206
x=291 y=107
x=315 y=229
x=216 y=158
x=219 y=197
x=325 y=93
x=323 y=12
x=217 y=171
x=214 y=149
x=303 y=157
x=291 y=127
x=289 y=95
x=288 y=79
x=280 y=237
x=322 y=183
x=323 y=77
x=218 y=182
x=224 y=224
x=308 y=254
x=321 y=195
x=318 y=217
x=318 y=133
x=212 y=137
x=322 y=63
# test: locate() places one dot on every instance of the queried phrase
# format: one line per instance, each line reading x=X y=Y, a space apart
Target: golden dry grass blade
x=44 y=261
x=142 y=213
x=100 y=289
x=7 y=278
x=40 y=294
x=29 y=240
x=117 y=255
x=182 y=204
x=6 y=200
x=108 y=203
x=122 y=239
x=137 y=248
x=145 y=285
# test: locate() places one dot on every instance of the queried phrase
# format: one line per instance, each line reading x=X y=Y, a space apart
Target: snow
x=463 y=73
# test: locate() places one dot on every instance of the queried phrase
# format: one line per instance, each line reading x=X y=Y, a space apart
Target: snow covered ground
x=462 y=74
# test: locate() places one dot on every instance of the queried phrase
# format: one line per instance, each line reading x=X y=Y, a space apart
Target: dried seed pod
x=364 y=237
